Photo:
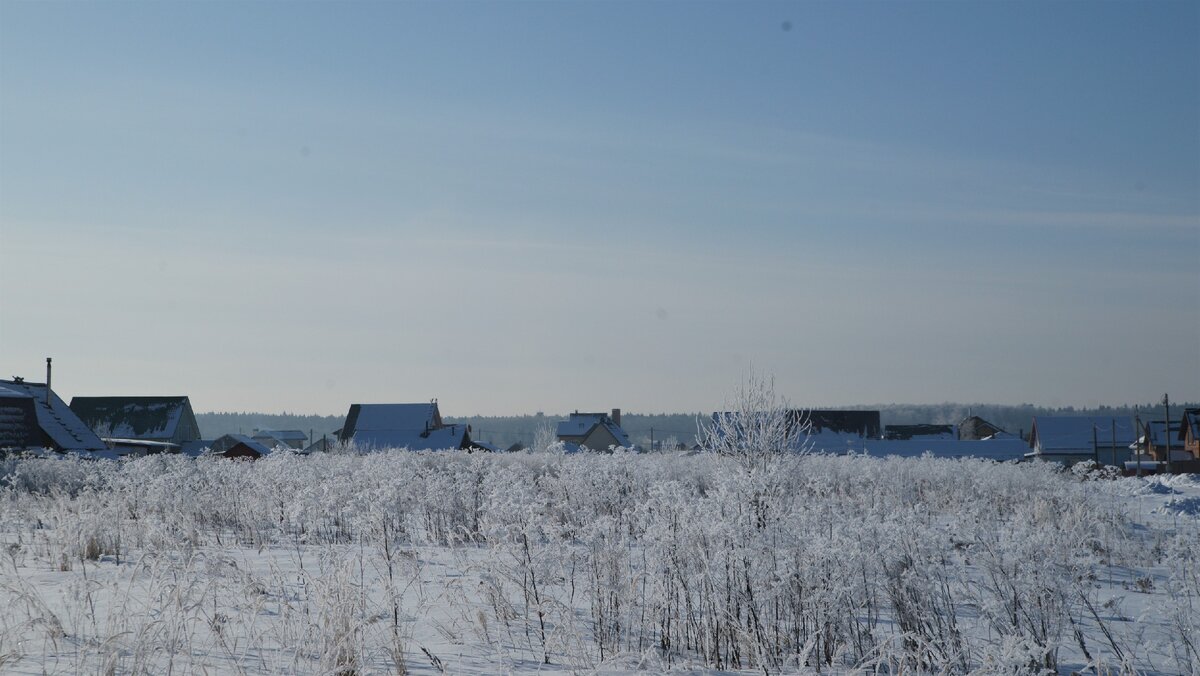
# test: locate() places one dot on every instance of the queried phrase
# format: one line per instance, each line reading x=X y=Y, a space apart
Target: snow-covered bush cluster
x=343 y=563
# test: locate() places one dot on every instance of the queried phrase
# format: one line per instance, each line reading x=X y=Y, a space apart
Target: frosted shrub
x=822 y=563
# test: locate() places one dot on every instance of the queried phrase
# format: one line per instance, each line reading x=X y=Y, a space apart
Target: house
x=863 y=424
x=838 y=431
x=289 y=438
x=921 y=431
x=237 y=446
x=1071 y=439
x=1189 y=432
x=595 y=431
x=974 y=428
x=1154 y=438
x=129 y=420
x=58 y=427
x=416 y=427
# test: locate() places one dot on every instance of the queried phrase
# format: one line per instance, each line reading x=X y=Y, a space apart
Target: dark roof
x=61 y=428
x=222 y=445
x=1190 y=420
x=974 y=427
x=897 y=432
x=136 y=417
x=821 y=421
x=580 y=425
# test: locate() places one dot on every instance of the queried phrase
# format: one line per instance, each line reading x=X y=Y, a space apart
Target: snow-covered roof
x=1191 y=420
x=1155 y=429
x=412 y=426
x=282 y=435
x=384 y=417
x=136 y=417
x=64 y=430
x=9 y=391
x=580 y=425
x=1079 y=434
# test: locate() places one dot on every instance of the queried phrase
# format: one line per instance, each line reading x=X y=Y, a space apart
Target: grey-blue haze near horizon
x=524 y=206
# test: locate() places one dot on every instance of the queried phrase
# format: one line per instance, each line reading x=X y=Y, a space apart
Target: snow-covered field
x=448 y=562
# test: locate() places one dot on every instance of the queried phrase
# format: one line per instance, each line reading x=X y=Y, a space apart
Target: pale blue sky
x=549 y=206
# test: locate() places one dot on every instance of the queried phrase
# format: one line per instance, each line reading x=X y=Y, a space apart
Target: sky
x=514 y=207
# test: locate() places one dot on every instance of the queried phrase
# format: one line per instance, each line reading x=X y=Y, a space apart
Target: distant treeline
x=504 y=431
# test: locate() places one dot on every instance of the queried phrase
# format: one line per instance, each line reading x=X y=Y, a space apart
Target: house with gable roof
x=1189 y=432
x=416 y=427
x=1154 y=438
x=1072 y=439
x=159 y=420
x=58 y=428
x=595 y=431
x=974 y=428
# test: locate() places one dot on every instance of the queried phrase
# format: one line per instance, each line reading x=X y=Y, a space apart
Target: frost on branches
x=756 y=428
x=403 y=562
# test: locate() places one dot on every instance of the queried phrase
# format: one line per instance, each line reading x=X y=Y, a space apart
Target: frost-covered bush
x=898 y=565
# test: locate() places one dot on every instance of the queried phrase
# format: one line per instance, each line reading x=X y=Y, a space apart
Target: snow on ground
x=456 y=563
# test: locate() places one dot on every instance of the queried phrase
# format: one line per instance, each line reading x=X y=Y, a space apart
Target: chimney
x=47 y=381
x=616 y=417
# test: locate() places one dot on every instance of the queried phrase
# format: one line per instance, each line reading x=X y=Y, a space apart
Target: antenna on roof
x=47 y=381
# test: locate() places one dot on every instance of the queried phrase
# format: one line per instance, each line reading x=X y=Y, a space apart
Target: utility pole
x=1167 y=430
x=651 y=439
x=1137 y=432
x=1114 y=441
x=1095 y=446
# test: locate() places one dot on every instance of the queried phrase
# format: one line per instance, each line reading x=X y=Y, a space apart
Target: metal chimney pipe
x=47 y=381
